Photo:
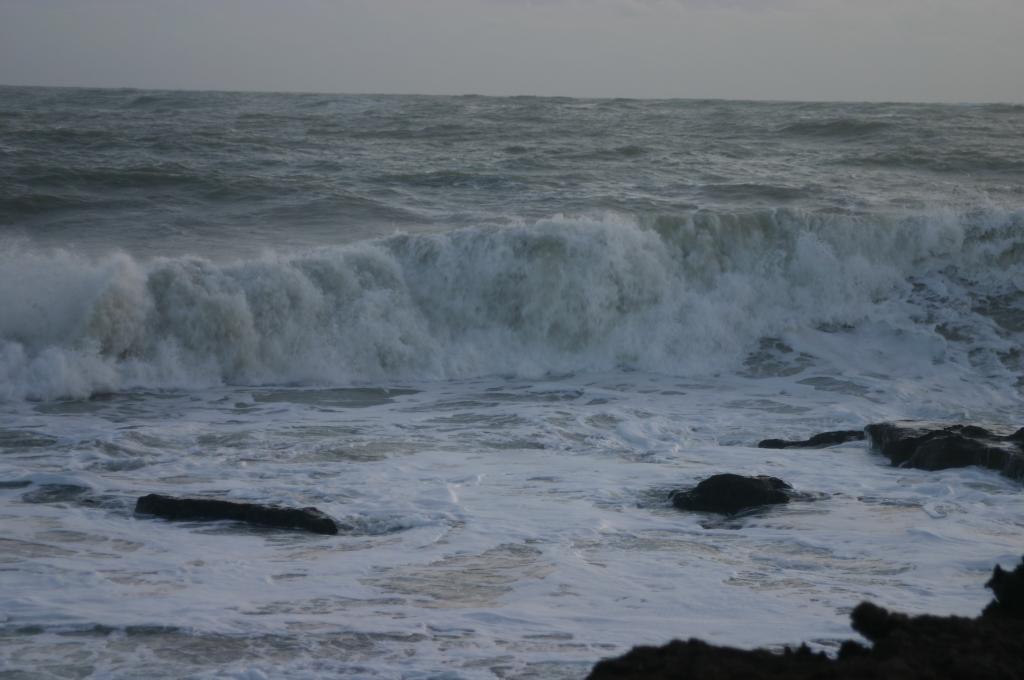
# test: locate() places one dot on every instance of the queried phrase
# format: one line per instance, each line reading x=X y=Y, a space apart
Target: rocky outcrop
x=1008 y=587
x=695 y=659
x=206 y=509
x=816 y=442
x=903 y=647
x=930 y=446
x=729 y=493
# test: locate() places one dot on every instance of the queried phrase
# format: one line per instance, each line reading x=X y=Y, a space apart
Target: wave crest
x=685 y=296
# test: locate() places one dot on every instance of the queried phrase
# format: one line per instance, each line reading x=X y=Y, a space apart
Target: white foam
x=561 y=295
x=471 y=547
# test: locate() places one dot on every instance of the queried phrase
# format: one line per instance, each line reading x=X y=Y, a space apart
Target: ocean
x=489 y=336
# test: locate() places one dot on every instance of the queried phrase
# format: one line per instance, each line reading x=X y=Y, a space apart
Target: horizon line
x=123 y=88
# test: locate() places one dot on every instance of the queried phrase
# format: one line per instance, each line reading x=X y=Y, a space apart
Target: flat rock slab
x=729 y=493
x=931 y=446
x=919 y=647
x=204 y=509
x=818 y=441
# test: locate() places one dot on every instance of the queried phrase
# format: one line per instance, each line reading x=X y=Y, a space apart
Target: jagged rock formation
x=930 y=446
x=990 y=646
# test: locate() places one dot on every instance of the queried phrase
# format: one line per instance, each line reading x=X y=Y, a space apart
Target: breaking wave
x=680 y=296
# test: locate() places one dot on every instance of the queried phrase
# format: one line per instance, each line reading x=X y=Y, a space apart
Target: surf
x=686 y=296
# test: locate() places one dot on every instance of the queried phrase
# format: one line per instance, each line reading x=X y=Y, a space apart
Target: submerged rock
x=933 y=647
x=55 y=493
x=817 y=441
x=729 y=493
x=930 y=446
x=168 y=507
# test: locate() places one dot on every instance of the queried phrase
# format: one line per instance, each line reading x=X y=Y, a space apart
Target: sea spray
x=560 y=295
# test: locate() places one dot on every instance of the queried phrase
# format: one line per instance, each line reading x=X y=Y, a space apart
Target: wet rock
x=919 y=647
x=816 y=442
x=930 y=446
x=168 y=507
x=695 y=659
x=1008 y=587
x=729 y=493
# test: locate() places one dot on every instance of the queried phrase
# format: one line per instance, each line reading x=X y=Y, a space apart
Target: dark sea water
x=490 y=334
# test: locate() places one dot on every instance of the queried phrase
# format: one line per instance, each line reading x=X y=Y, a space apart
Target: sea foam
x=565 y=294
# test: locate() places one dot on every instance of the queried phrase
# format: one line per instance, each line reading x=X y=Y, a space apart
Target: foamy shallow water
x=496 y=528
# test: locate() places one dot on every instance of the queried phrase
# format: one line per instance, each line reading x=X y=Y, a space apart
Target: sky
x=847 y=50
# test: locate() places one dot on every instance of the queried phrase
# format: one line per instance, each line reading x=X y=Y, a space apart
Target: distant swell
x=837 y=127
x=941 y=160
x=685 y=296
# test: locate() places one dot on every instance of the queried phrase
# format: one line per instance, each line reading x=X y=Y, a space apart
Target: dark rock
x=168 y=507
x=929 y=446
x=697 y=659
x=1008 y=587
x=919 y=647
x=816 y=442
x=729 y=493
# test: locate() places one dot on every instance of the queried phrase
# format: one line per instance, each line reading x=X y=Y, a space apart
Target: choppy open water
x=489 y=335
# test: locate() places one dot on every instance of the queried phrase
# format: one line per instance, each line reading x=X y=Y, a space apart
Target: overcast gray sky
x=901 y=50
